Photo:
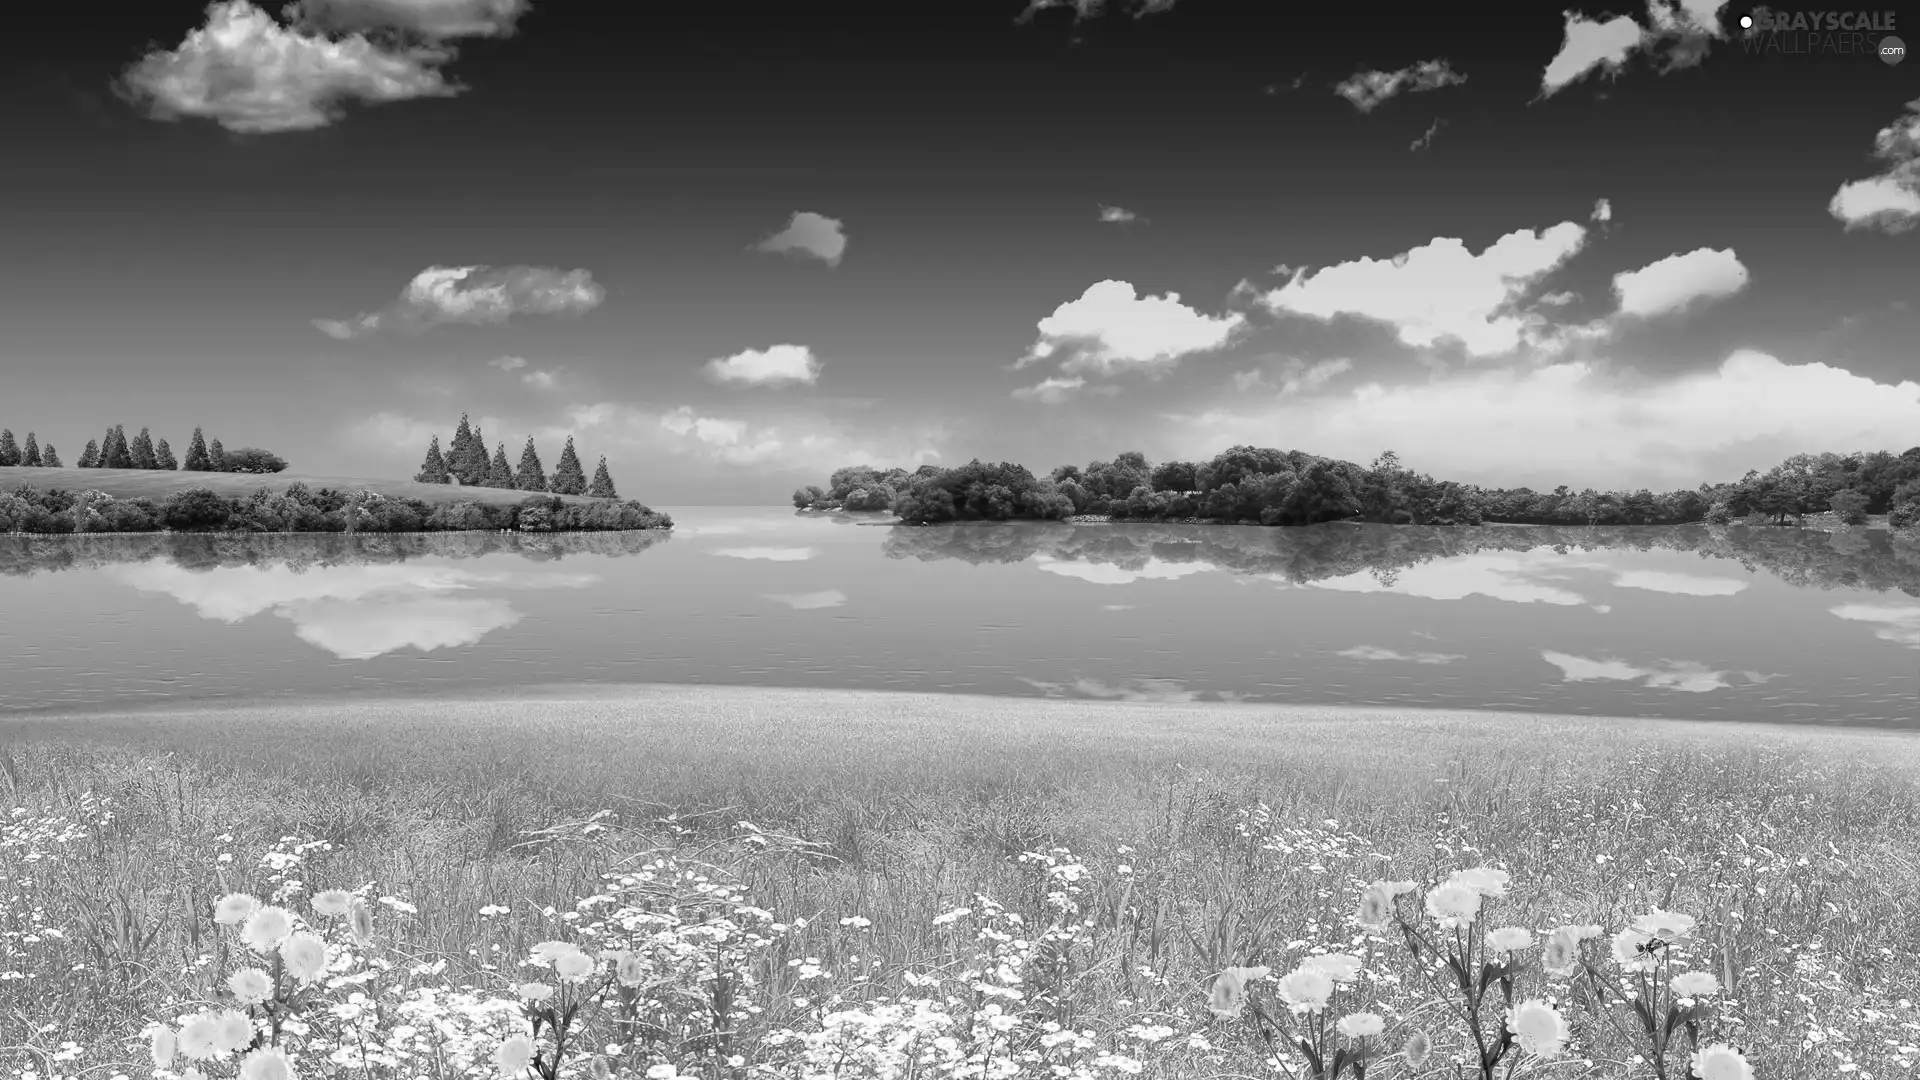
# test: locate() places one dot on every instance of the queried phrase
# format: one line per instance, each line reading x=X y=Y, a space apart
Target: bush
x=1850 y=506
x=252 y=459
x=535 y=519
x=1719 y=513
x=196 y=509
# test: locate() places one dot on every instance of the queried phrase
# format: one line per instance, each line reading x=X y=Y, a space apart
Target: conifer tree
x=602 y=486
x=478 y=464
x=89 y=457
x=32 y=454
x=114 y=453
x=197 y=459
x=49 y=457
x=434 y=469
x=216 y=456
x=530 y=476
x=163 y=457
x=106 y=449
x=568 y=477
x=141 y=451
x=9 y=450
x=500 y=473
x=459 y=457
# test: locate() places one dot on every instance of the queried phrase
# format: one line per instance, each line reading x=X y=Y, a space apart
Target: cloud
x=1167 y=691
x=767 y=367
x=769 y=554
x=1111 y=328
x=1678 y=584
x=1367 y=89
x=1087 y=9
x=508 y=363
x=812 y=234
x=1582 y=423
x=1438 y=291
x=1302 y=377
x=1515 y=577
x=477 y=295
x=1677 y=33
x=1376 y=652
x=1687 y=675
x=1100 y=573
x=1898 y=624
x=808 y=445
x=813 y=601
x=1426 y=140
x=1889 y=200
x=542 y=380
x=1602 y=211
x=246 y=72
x=1118 y=215
x=1051 y=390
x=1671 y=284
x=437 y=19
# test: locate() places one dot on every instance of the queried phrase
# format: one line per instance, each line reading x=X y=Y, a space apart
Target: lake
x=1746 y=623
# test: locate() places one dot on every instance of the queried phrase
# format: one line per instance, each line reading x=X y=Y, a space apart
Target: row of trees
x=1291 y=487
x=115 y=451
x=301 y=509
x=466 y=461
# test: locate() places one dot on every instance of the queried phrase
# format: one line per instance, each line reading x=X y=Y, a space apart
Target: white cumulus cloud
x=1112 y=328
x=1117 y=215
x=766 y=367
x=1051 y=390
x=1676 y=33
x=1671 y=284
x=1686 y=675
x=808 y=233
x=477 y=295
x=1379 y=652
x=1367 y=89
x=1889 y=200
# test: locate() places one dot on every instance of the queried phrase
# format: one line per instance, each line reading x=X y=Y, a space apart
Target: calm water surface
x=1763 y=624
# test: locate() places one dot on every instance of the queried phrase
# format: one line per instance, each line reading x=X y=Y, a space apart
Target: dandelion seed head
x=1538 y=1027
x=266 y=928
x=250 y=986
x=1361 y=1025
x=574 y=965
x=1719 y=1061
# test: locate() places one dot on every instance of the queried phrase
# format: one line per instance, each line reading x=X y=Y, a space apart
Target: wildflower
x=266 y=1064
x=628 y=969
x=1376 y=907
x=266 y=927
x=1669 y=926
x=305 y=956
x=1510 y=939
x=162 y=1044
x=1561 y=956
x=232 y=1030
x=574 y=965
x=1695 y=984
x=250 y=986
x=1631 y=950
x=1453 y=904
x=549 y=951
x=199 y=1038
x=1229 y=994
x=1342 y=968
x=662 y=1072
x=233 y=909
x=1485 y=880
x=513 y=1056
x=599 y=1068
x=1539 y=1028
x=332 y=903
x=1718 y=1061
x=1416 y=1049
x=1361 y=1025
x=360 y=923
x=1306 y=989
x=535 y=992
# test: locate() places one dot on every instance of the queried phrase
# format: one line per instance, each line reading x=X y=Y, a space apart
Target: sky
x=733 y=247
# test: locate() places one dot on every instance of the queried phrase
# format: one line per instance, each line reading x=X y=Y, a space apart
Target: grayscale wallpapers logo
x=1869 y=33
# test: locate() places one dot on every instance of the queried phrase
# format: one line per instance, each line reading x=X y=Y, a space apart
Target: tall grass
x=1117 y=857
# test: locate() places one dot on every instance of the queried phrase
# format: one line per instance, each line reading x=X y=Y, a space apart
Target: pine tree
x=90 y=457
x=49 y=458
x=460 y=451
x=9 y=450
x=530 y=476
x=163 y=457
x=216 y=456
x=106 y=448
x=568 y=478
x=499 y=473
x=32 y=454
x=114 y=453
x=602 y=487
x=142 y=451
x=197 y=460
x=480 y=463
x=434 y=469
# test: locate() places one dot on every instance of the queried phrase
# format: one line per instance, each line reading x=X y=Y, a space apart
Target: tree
x=499 y=473
x=163 y=457
x=9 y=450
x=1850 y=505
x=461 y=452
x=478 y=463
x=198 y=460
x=252 y=459
x=114 y=452
x=141 y=452
x=89 y=457
x=216 y=456
x=568 y=477
x=804 y=497
x=602 y=486
x=1175 y=476
x=434 y=469
x=32 y=454
x=49 y=457
x=530 y=476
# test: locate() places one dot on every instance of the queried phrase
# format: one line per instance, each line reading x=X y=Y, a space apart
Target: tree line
x=115 y=451
x=1257 y=485
x=466 y=461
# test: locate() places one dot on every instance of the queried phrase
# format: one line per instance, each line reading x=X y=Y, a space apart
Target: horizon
x=1517 y=250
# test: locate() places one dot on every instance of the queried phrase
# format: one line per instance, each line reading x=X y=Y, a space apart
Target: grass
x=157 y=484
x=1247 y=832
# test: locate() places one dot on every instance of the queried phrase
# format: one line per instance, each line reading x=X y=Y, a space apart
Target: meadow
x=774 y=883
x=157 y=484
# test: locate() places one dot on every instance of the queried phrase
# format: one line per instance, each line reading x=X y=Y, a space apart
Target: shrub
x=196 y=509
x=535 y=519
x=252 y=459
x=1719 y=513
x=1850 y=506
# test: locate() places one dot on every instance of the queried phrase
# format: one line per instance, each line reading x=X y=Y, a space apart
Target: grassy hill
x=158 y=484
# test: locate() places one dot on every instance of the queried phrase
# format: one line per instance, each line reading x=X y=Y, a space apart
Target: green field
x=157 y=484
x=1250 y=830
